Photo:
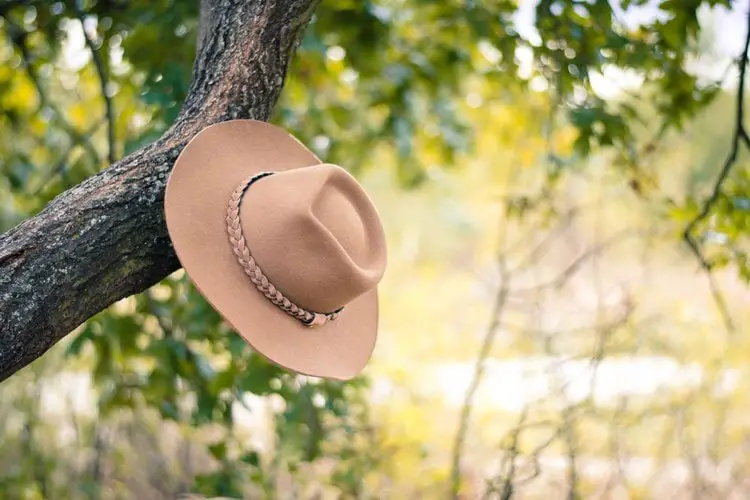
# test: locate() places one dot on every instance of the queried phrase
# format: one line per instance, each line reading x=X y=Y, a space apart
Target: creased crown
x=315 y=234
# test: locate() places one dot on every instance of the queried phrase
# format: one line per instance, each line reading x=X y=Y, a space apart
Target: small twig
x=570 y=439
x=532 y=459
x=507 y=488
x=561 y=279
x=569 y=332
x=541 y=249
x=616 y=428
x=104 y=83
x=685 y=443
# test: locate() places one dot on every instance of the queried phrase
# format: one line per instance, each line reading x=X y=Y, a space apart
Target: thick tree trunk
x=105 y=239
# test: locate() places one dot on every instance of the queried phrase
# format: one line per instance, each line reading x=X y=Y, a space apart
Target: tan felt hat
x=287 y=249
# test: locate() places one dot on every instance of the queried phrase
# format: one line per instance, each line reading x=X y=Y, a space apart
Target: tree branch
x=105 y=239
x=496 y=317
x=99 y=64
x=739 y=138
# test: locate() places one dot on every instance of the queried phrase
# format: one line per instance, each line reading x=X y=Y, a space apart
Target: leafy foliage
x=375 y=83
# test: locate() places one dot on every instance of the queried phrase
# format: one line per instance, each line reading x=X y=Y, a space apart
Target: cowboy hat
x=287 y=249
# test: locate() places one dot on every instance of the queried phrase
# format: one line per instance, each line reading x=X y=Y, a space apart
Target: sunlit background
x=546 y=331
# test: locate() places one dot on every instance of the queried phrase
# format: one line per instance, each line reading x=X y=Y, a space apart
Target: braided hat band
x=251 y=268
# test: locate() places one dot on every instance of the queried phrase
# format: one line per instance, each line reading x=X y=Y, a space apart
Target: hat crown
x=315 y=234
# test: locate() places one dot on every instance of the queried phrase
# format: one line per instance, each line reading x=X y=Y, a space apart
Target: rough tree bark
x=105 y=239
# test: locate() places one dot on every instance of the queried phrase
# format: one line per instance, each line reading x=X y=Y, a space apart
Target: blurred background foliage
x=547 y=332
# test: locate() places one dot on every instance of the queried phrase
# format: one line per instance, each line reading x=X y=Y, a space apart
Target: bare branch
x=104 y=85
x=739 y=138
x=563 y=277
x=513 y=452
x=540 y=250
x=571 y=447
x=476 y=380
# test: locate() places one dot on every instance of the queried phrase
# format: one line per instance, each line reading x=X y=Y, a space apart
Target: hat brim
x=207 y=171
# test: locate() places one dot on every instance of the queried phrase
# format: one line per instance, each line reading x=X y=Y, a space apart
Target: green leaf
x=74 y=349
x=251 y=458
x=218 y=450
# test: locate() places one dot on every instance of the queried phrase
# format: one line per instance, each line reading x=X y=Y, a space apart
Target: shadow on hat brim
x=204 y=176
